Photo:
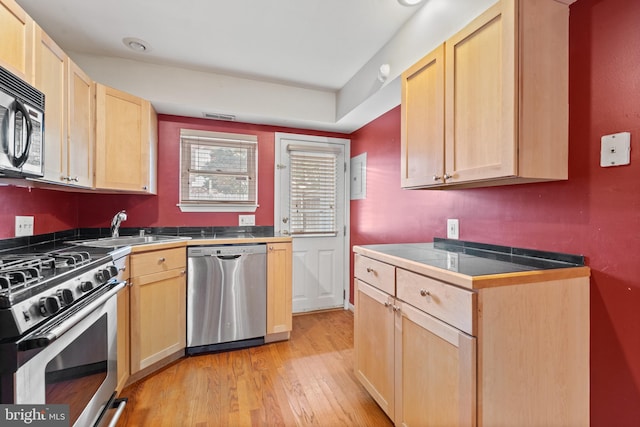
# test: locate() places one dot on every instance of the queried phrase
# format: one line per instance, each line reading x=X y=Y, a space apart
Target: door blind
x=313 y=192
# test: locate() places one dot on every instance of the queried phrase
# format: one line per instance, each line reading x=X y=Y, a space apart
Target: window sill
x=217 y=208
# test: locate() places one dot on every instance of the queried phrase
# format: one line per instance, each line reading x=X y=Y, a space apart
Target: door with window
x=311 y=205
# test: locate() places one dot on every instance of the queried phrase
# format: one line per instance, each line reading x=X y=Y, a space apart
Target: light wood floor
x=308 y=380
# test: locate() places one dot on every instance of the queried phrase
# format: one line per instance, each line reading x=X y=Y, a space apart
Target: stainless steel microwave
x=21 y=128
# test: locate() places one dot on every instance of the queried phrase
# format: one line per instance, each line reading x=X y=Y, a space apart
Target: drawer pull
x=387 y=304
x=371 y=270
x=396 y=308
x=163 y=259
x=424 y=293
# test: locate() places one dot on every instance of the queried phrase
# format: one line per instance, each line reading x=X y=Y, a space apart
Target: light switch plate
x=615 y=149
x=24 y=226
x=246 y=220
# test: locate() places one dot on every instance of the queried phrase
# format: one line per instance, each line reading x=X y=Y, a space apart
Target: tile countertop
x=477 y=265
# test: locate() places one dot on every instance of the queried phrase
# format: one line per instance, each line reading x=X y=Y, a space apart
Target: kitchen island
x=461 y=333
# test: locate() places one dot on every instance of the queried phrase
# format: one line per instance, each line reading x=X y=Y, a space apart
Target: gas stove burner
x=20 y=272
x=17 y=279
x=70 y=259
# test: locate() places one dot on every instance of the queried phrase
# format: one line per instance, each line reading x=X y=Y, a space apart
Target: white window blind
x=313 y=192
x=218 y=169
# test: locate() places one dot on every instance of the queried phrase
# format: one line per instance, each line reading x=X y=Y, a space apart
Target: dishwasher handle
x=228 y=257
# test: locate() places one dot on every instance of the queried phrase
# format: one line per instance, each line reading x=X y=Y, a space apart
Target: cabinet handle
x=74 y=179
x=447 y=176
x=424 y=293
x=387 y=304
x=183 y=272
x=144 y=187
x=162 y=259
x=371 y=270
x=270 y=248
x=396 y=308
x=437 y=178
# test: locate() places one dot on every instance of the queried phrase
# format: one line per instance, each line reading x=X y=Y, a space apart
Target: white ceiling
x=241 y=57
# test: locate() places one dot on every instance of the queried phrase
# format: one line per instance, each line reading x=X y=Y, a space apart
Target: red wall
x=595 y=213
x=58 y=210
x=161 y=210
x=52 y=210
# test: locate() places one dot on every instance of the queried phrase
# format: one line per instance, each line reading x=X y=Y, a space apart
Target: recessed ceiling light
x=137 y=45
x=410 y=2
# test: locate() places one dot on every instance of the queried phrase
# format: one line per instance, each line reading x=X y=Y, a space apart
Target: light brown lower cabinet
x=435 y=371
x=157 y=307
x=374 y=352
x=279 y=291
x=513 y=353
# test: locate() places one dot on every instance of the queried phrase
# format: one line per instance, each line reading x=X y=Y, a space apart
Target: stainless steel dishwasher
x=226 y=297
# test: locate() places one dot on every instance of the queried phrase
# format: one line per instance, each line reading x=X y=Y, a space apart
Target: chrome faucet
x=115 y=223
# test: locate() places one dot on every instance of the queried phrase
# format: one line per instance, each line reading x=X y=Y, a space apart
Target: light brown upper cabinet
x=69 y=131
x=81 y=130
x=126 y=142
x=50 y=77
x=16 y=40
x=422 y=127
x=505 y=103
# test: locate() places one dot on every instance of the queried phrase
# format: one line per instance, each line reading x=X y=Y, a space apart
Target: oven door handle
x=45 y=336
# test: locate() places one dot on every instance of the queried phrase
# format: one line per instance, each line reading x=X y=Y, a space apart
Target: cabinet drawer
x=158 y=261
x=448 y=303
x=375 y=273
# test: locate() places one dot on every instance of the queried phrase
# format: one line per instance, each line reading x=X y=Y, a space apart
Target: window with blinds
x=218 y=170
x=313 y=192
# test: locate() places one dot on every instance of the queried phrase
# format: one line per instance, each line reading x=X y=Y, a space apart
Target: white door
x=311 y=205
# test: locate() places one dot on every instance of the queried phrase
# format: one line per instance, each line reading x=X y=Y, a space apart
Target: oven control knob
x=49 y=306
x=102 y=276
x=86 y=286
x=65 y=296
x=113 y=271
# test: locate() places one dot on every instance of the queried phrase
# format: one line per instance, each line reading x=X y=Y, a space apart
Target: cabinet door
x=279 y=288
x=122 y=141
x=158 y=317
x=481 y=97
x=51 y=78
x=16 y=33
x=80 y=137
x=374 y=344
x=435 y=372
x=422 y=149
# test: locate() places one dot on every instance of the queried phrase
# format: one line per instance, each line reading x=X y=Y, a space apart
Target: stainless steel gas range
x=58 y=329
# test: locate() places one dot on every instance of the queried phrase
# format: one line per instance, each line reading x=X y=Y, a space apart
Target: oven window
x=76 y=373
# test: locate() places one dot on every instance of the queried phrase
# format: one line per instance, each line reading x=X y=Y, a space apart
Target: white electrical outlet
x=453 y=229
x=246 y=220
x=24 y=226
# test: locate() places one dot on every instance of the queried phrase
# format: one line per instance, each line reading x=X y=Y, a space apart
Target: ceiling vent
x=218 y=116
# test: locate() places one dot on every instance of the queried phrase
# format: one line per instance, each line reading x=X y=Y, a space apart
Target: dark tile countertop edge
x=205 y=232
x=523 y=256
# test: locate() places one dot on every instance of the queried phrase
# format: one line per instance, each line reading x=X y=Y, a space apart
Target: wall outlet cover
x=246 y=220
x=453 y=229
x=24 y=226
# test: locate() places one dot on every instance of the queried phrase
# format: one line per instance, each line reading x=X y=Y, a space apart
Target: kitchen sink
x=116 y=242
